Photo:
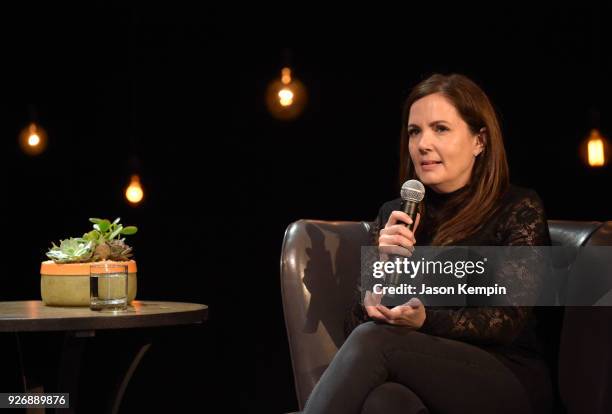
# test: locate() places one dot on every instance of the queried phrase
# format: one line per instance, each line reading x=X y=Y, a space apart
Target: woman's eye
x=412 y=132
x=441 y=128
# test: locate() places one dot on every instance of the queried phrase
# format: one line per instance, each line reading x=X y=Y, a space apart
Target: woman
x=417 y=359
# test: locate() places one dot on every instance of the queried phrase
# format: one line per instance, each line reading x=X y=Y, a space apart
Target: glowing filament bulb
x=134 y=193
x=596 y=153
x=33 y=140
x=285 y=96
x=596 y=150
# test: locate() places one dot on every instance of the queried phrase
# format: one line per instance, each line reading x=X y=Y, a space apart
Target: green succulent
x=73 y=250
x=104 y=242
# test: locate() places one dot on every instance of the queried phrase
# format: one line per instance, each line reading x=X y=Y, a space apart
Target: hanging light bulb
x=33 y=139
x=286 y=97
x=595 y=150
x=133 y=192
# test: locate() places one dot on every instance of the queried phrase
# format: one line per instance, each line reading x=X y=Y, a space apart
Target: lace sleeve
x=525 y=224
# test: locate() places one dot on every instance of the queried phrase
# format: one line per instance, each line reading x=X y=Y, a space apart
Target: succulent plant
x=102 y=243
x=73 y=250
x=113 y=250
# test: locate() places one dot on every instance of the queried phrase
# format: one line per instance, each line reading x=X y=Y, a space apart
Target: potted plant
x=65 y=278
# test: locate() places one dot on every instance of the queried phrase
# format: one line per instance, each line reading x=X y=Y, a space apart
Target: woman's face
x=441 y=145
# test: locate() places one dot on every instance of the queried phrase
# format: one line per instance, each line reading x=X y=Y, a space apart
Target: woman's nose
x=425 y=140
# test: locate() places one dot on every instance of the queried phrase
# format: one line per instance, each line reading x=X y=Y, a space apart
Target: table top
x=35 y=316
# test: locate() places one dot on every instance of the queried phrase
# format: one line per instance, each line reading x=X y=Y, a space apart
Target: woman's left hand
x=411 y=314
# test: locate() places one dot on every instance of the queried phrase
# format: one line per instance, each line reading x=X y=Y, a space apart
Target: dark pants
x=390 y=369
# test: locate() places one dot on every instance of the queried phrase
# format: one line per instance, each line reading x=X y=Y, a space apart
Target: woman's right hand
x=395 y=238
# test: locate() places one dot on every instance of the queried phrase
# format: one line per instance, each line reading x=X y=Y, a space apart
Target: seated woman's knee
x=380 y=336
x=373 y=333
x=367 y=334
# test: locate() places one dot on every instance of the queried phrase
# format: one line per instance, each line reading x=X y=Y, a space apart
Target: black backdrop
x=177 y=92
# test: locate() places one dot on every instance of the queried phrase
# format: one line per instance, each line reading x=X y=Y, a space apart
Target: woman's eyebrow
x=432 y=123
x=440 y=121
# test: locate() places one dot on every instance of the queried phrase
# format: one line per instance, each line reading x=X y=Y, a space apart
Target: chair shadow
x=331 y=289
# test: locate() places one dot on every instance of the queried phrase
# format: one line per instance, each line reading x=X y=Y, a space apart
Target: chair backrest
x=320 y=267
x=585 y=345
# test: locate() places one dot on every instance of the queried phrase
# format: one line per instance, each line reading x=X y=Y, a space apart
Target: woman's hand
x=410 y=314
x=395 y=238
x=371 y=301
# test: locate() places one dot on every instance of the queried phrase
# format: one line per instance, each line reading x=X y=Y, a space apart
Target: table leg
x=70 y=366
x=121 y=386
x=111 y=362
x=95 y=368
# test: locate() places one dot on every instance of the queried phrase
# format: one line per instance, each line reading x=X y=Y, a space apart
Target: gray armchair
x=320 y=263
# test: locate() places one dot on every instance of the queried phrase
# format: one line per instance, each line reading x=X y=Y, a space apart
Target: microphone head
x=413 y=190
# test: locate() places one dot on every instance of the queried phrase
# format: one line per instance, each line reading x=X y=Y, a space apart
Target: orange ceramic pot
x=68 y=284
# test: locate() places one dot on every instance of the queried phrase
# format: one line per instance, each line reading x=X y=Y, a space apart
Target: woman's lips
x=429 y=165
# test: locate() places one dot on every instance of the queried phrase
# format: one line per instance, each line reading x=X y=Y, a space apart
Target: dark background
x=176 y=93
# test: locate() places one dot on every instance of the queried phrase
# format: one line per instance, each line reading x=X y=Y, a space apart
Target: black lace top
x=505 y=331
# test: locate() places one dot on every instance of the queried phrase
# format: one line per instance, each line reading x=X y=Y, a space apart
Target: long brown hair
x=490 y=176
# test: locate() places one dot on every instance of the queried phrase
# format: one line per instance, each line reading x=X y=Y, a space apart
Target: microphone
x=412 y=193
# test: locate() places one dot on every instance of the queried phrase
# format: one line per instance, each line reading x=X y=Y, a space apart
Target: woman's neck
x=438 y=198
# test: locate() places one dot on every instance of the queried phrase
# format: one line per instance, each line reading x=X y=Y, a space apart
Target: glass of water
x=108 y=283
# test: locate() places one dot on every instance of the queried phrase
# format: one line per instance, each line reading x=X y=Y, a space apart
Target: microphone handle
x=410 y=208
